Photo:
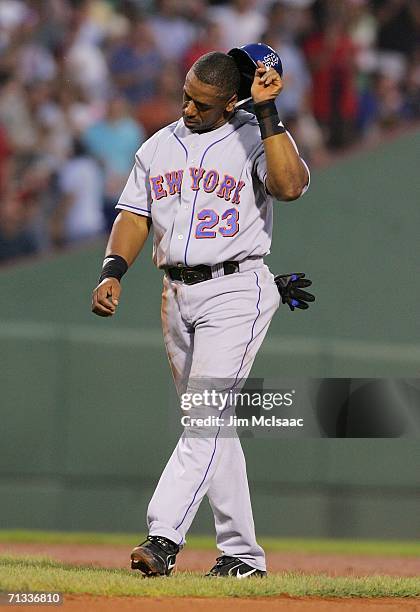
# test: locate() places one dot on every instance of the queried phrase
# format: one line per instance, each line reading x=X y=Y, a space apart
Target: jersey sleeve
x=259 y=165
x=136 y=196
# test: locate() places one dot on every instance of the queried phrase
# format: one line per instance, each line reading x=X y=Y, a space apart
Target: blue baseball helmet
x=246 y=59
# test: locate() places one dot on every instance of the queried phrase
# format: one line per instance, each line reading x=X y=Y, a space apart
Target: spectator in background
x=84 y=64
x=17 y=236
x=35 y=191
x=15 y=115
x=362 y=28
x=5 y=158
x=78 y=54
x=135 y=63
x=330 y=54
x=399 y=25
x=165 y=106
x=54 y=134
x=363 y=31
x=78 y=214
x=12 y=15
x=113 y=141
x=239 y=23
x=296 y=78
x=87 y=27
x=79 y=112
x=208 y=40
x=412 y=88
x=291 y=20
x=53 y=18
x=389 y=101
x=172 y=32
x=34 y=61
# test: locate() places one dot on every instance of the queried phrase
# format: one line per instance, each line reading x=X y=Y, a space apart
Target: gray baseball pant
x=212 y=329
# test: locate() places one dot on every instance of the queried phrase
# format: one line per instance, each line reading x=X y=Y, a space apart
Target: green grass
x=318 y=546
x=42 y=574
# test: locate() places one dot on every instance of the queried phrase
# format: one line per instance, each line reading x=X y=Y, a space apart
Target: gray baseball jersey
x=205 y=193
x=207 y=198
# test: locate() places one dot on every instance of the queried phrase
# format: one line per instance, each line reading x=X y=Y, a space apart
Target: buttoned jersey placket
x=182 y=218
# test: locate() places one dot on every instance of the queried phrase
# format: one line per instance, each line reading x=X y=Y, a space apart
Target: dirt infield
x=272 y=604
x=332 y=565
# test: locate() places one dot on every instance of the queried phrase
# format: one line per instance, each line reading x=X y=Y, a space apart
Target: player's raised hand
x=105 y=297
x=267 y=84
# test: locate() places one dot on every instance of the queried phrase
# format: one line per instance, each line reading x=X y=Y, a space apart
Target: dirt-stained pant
x=212 y=329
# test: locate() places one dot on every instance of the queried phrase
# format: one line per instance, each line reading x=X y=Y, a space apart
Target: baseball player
x=207 y=184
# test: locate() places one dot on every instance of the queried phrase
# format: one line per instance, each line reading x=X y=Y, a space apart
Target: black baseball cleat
x=155 y=556
x=234 y=567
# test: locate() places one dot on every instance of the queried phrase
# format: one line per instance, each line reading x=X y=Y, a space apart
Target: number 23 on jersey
x=210 y=223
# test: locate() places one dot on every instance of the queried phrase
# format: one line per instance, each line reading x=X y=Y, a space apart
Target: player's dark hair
x=220 y=70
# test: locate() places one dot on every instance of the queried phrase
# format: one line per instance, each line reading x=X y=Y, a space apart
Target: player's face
x=203 y=107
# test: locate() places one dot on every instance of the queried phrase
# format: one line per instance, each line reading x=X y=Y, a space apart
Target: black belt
x=198 y=274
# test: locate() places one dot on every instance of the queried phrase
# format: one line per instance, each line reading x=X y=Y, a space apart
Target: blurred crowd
x=84 y=82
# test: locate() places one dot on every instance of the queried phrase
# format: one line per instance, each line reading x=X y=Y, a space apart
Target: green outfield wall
x=87 y=422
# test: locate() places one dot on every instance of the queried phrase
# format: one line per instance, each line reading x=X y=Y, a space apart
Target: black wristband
x=268 y=119
x=114 y=266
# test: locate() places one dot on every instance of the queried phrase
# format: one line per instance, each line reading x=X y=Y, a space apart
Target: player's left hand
x=290 y=287
x=267 y=84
